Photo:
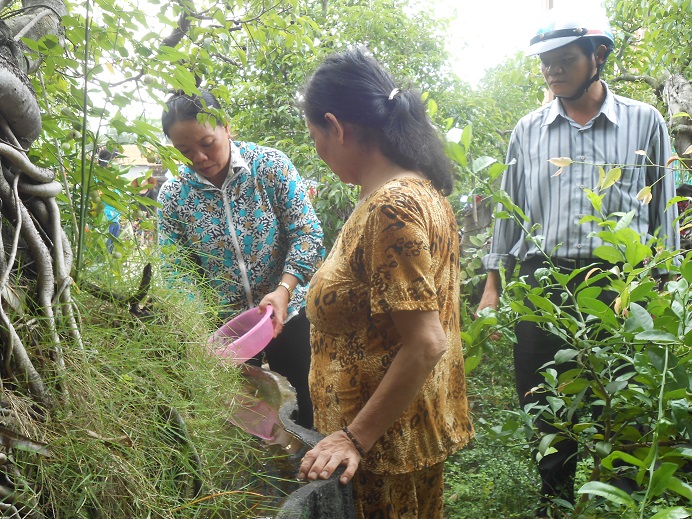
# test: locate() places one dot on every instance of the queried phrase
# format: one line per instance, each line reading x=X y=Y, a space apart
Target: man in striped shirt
x=593 y=127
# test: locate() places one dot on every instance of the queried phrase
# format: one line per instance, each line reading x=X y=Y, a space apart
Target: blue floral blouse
x=245 y=235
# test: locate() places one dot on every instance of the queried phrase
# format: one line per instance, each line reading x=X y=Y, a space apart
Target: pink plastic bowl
x=244 y=336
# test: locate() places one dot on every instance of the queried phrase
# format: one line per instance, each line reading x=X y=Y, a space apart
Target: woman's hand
x=279 y=301
x=332 y=451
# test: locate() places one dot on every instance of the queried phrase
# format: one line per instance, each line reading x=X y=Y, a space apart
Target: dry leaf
x=591 y=272
x=672 y=159
x=561 y=162
x=558 y=172
x=688 y=151
x=645 y=196
x=640 y=152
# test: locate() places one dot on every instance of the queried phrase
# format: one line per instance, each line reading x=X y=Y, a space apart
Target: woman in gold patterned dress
x=387 y=373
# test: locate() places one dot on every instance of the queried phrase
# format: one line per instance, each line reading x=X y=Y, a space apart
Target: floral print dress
x=397 y=251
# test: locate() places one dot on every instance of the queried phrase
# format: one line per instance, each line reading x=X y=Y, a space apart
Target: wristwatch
x=288 y=288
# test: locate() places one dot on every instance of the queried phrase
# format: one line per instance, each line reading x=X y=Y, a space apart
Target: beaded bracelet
x=354 y=441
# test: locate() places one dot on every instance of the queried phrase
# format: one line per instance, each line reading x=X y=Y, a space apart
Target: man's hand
x=491 y=297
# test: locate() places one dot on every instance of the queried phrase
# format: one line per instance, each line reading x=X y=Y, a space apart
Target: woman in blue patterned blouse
x=241 y=213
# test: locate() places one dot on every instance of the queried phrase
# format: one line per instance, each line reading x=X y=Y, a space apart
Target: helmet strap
x=587 y=84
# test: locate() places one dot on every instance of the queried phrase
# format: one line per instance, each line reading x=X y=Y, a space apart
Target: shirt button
x=580 y=216
x=582 y=158
x=581 y=186
x=578 y=245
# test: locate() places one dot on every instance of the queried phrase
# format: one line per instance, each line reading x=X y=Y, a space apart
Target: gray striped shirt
x=557 y=203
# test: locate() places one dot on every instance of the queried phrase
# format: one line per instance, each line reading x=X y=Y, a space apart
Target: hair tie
x=394 y=93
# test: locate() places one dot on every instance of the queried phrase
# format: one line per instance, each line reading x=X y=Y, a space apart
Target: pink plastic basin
x=244 y=336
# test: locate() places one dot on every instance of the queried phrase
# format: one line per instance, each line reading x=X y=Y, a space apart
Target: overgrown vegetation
x=116 y=447
x=142 y=430
x=630 y=361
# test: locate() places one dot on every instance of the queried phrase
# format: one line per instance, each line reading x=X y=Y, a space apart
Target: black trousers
x=289 y=356
x=534 y=348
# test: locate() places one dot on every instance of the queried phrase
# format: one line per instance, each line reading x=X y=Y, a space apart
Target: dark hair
x=354 y=87
x=589 y=45
x=186 y=107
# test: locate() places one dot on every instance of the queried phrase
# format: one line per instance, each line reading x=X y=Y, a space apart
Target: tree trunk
x=677 y=94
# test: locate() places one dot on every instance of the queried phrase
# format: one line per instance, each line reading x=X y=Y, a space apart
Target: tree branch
x=652 y=82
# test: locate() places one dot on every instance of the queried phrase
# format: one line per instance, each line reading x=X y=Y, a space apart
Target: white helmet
x=564 y=26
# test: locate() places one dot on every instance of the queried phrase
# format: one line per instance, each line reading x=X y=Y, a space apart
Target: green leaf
x=611 y=177
x=662 y=476
x=431 y=106
x=541 y=302
x=676 y=512
x=603 y=449
x=465 y=139
x=623 y=456
x=565 y=355
x=607 y=491
x=546 y=442
x=615 y=386
x=625 y=221
x=642 y=290
x=592 y=306
x=680 y=487
x=636 y=253
x=656 y=336
x=595 y=199
x=471 y=363
x=639 y=319
x=608 y=253
x=575 y=386
x=481 y=163
x=457 y=153
x=495 y=170
x=686 y=269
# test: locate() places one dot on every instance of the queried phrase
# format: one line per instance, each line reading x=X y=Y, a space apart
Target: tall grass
x=141 y=426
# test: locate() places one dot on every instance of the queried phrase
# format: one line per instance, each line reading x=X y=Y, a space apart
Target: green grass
x=489 y=479
x=141 y=420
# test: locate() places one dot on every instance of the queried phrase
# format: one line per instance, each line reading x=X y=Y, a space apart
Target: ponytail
x=355 y=88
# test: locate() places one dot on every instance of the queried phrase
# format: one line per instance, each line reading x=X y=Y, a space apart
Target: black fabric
x=534 y=348
x=289 y=356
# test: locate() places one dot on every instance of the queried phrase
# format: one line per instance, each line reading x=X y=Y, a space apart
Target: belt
x=564 y=263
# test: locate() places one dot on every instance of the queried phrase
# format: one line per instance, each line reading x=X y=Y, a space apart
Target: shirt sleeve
x=397 y=257
x=179 y=260
x=662 y=182
x=507 y=234
x=297 y=218
x=170 y=230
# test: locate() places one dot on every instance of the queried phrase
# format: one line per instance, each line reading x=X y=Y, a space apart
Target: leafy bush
x=632 y=361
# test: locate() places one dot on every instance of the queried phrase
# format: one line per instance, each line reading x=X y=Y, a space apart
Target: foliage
x=632 y=359
x=506 y=93
x=143 y=428
x=646 y=31
x=93 y=87
x=491 y=477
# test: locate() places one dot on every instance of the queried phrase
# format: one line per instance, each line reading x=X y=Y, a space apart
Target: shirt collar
x=237 y=160
x=607 y=109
